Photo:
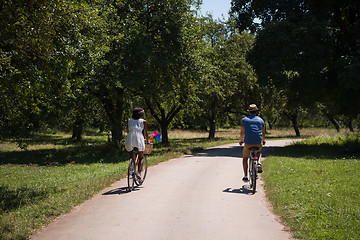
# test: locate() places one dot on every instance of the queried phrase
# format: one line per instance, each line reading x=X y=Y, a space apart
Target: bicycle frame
x=133 y=170
x=253 y=162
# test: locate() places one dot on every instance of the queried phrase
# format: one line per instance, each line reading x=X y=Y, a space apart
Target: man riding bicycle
x=253 y=134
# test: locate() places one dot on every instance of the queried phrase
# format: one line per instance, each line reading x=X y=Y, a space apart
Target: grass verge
x=314 y=186
x=47 y=175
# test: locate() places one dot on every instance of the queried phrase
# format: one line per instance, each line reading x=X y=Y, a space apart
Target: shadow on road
x=119 y=191
x=243 y=190
x=233 y=151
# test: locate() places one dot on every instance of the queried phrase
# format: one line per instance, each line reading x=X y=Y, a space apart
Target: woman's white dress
x=135 y=137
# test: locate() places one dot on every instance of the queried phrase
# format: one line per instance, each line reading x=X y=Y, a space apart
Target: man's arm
x=263 y=135
x=242 y=134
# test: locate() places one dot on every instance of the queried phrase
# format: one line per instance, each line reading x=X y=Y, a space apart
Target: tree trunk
x=116 y=132
x=293 y=119
x=212 y=129
x=349 y=124
x=77 y=129
x=164 y=133
x=333 y=121
x=212 y=120
x=164 y=119
x=212 y=125
x=296 y=128
x=114 y=111
x=271 y=124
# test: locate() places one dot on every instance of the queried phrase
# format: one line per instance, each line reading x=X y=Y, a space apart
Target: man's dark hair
x=137 y=113
x=252 y=112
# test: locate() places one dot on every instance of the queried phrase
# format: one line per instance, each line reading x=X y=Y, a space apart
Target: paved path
x=199 y=196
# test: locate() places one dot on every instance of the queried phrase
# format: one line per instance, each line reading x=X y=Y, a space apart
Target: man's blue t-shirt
x=253 y=125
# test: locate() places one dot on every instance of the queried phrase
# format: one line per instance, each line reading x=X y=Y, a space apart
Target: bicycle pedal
x=139 y=180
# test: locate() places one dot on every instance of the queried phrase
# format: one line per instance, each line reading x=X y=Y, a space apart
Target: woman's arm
x=146 y=131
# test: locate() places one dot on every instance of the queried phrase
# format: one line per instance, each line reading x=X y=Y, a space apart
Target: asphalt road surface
x=198 y=196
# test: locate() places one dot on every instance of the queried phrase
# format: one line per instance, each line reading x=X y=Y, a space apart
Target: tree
x=151 y=57
x=270 y=110
x=213 y=88
x=312 y=42
x=42 y=43
x=172 y=73
x=228 y=80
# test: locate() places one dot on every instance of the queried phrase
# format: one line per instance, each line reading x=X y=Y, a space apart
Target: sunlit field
x=62 y=140
x=234 y=133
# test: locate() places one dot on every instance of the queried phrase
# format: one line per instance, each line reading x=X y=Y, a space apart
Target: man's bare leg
x=245 y=166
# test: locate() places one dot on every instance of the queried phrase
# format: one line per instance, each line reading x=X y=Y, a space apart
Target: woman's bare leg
x=140 y=162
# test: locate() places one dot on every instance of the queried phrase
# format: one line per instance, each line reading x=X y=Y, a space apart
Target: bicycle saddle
x=254 y=148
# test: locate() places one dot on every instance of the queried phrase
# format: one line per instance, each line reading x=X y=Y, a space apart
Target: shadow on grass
x=323 y=150
x=13 y=199
x=72 y=154
x=87 y=152
x=39 y=139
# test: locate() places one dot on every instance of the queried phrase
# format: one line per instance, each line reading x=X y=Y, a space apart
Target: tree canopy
x=70 y=63
x=309 y=49
x=44 y=47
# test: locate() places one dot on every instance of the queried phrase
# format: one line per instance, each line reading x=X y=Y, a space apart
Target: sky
x=216 y=8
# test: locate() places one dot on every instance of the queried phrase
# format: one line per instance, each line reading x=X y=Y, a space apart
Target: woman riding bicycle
x=137 y=129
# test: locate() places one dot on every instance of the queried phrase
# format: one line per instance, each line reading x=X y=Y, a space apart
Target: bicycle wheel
x=131 y=174
x=254 y=171
x=250 y=173
x=143 y=172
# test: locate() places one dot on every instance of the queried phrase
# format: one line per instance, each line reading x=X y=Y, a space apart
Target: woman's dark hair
x=138 y=113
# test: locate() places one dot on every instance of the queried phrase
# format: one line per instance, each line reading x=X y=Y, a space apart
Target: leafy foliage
x=307 y=49
x=43 y=43
x=152 y=56
x=228 y=81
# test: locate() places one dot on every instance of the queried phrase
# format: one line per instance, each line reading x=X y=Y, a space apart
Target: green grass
x=49 y=174
x=31 y=196
x=314 y=186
